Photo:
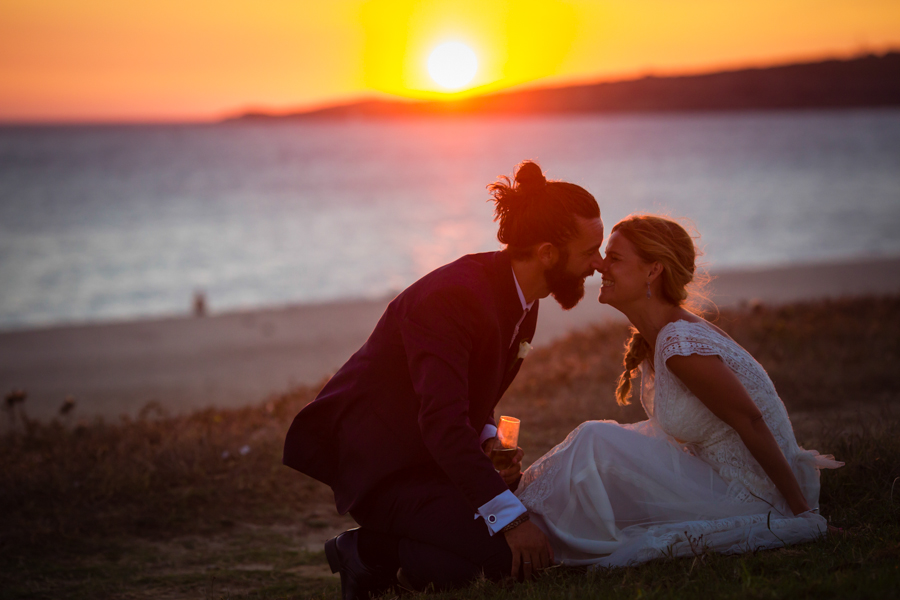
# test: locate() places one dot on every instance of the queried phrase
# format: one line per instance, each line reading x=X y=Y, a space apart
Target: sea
x=112 y=222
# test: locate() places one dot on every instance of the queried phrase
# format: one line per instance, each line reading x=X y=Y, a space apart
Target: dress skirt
x=618 y=495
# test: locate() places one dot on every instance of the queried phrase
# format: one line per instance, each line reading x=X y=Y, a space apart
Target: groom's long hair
x=532 y=210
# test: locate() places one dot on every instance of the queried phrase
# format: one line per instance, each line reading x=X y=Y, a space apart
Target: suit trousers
x=424 y=520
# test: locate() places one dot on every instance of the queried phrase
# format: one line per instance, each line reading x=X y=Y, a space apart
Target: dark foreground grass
x=170 y=507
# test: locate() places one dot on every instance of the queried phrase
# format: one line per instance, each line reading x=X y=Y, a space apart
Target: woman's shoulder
x=690 y=322
x=691 y=335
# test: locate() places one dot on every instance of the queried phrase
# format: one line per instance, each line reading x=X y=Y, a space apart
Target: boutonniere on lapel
x=524 y=349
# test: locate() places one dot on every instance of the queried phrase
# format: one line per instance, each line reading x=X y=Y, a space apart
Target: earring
x=648 y=290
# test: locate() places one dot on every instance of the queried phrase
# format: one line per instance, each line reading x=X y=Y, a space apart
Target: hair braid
x=662 y=240
x=636 y=350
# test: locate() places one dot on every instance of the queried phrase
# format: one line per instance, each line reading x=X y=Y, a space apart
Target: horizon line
x=549 y=82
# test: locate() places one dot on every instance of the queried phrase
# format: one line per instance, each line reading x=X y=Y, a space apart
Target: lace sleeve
x=683 y=338
x=685 y=417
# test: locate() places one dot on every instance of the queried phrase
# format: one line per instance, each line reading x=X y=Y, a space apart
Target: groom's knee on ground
x=425 y=564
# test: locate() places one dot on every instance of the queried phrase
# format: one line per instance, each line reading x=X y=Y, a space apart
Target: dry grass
x=152 y=476
x=154 y=507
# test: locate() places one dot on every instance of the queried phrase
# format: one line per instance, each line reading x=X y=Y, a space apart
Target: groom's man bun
x=529 y=176
x=532 y=210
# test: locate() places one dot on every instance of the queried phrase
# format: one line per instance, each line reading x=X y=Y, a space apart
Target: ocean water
x=111 y=222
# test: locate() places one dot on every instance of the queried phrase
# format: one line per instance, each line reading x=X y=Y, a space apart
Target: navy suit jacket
x=421 y=389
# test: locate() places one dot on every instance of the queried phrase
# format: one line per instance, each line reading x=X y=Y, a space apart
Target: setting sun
x=452 y=65
x=103 y=60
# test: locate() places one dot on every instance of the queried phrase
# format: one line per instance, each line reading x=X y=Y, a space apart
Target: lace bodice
x=680 y=414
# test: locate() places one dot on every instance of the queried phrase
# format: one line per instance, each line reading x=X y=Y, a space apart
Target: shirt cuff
x=500 y=511
x=487 y=433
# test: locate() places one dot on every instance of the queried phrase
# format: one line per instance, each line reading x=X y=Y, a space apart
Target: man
x=402 y=432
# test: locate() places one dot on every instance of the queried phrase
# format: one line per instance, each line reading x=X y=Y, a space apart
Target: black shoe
x=405 y=585
x=358 y=580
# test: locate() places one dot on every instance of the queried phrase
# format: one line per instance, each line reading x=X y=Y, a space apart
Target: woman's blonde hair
x=662 y=240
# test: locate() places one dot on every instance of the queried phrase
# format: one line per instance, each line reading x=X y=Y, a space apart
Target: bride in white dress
x=715 y=467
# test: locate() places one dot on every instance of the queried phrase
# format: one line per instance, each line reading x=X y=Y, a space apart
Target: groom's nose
x=597 y=263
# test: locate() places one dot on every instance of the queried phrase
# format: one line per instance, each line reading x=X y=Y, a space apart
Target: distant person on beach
x=403 y=432
x=715 y=467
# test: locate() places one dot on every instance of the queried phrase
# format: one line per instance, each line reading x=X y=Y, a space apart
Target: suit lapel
x=508 y=303
x=525 y=334
x=509 y=312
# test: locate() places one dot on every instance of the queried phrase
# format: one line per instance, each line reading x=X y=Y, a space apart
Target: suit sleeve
x=439 y=335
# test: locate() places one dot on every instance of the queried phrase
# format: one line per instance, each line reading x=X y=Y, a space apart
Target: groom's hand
x=531 y=551
x=488 y=445
x=512 y=473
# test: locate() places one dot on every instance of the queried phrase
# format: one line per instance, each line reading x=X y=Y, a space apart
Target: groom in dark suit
x=403 y=431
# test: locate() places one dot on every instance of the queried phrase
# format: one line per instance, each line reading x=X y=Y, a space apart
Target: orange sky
x=109 y=60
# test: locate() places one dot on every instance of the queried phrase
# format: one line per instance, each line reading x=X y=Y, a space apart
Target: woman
x=716 y=466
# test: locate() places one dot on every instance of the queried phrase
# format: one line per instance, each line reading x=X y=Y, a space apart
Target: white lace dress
x=677 y=484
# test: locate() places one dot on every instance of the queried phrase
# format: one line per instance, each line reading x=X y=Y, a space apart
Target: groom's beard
x=567 y=288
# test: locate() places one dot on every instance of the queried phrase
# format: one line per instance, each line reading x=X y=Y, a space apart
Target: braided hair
x=656 y=239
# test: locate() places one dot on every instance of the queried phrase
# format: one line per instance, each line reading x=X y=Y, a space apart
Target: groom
x=402 y=432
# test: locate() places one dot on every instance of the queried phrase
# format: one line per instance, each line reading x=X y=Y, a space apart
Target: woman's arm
x=719 y=389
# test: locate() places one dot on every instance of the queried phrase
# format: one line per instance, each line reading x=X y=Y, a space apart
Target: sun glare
x=452 y=65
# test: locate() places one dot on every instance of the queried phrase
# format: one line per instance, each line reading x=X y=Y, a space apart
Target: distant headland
x=866 y=81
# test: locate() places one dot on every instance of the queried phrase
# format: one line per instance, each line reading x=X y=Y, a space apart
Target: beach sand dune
x=228 y=360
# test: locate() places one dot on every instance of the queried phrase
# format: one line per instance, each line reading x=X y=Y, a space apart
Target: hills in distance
x=866 y=81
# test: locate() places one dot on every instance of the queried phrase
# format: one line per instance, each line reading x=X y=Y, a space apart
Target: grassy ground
x=199 y=506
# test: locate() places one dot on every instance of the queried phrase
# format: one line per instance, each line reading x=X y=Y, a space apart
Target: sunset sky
x=112 y=60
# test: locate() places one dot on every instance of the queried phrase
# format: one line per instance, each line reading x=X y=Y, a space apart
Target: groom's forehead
x=590 y=232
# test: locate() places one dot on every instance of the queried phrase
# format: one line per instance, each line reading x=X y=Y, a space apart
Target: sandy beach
x=235 y=359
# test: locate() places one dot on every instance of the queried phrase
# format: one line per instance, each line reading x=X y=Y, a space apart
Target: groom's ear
x=548 y=254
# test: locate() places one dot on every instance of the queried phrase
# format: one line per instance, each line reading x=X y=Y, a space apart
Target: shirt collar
x=521 y=295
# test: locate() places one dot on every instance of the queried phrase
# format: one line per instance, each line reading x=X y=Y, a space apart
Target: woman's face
x=624 y=273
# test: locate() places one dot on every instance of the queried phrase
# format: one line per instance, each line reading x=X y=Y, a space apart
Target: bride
x=716 y=465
